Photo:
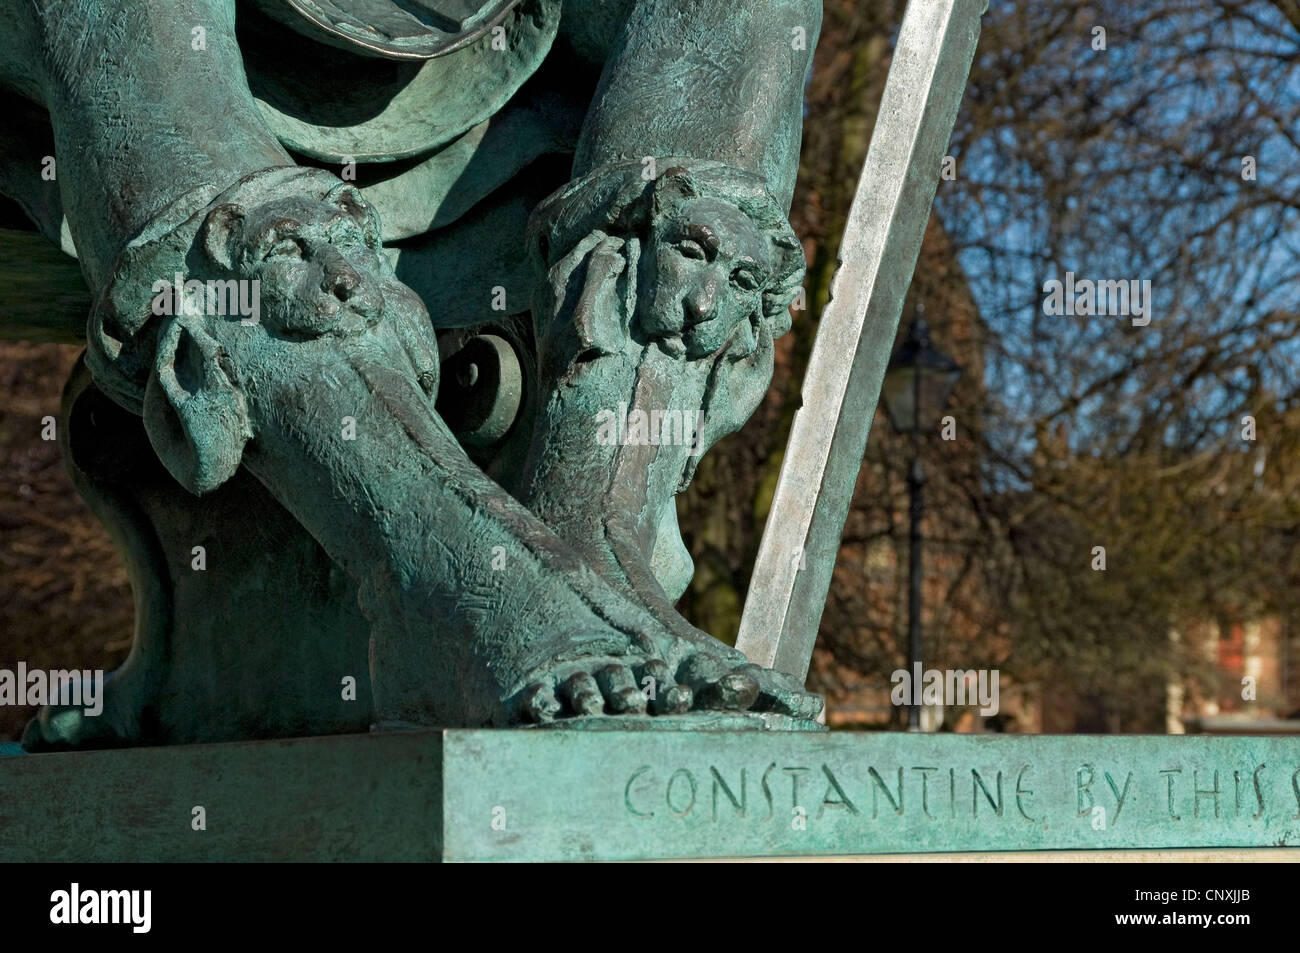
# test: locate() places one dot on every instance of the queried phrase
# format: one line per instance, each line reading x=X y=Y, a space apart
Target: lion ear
x=218 y=233
x=195 y=415
x=349 y=199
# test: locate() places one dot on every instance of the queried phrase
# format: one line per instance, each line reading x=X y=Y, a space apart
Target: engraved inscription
x=931 y=794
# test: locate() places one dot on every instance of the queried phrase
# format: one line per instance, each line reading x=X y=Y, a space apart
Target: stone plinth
x=613 y=795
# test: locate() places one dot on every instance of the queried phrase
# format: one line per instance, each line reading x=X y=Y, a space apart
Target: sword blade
x=878 y=252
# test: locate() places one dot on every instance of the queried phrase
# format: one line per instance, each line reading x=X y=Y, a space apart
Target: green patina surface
x=549 y=795
x=361 y=292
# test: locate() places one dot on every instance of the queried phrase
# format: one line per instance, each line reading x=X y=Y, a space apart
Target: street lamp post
x=916 y=510
x=918 y=382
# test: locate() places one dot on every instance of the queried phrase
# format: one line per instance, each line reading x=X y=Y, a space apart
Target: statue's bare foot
x=617 y=685
x=656 y=340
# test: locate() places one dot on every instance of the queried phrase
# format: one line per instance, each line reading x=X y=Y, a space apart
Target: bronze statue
x=469 y=228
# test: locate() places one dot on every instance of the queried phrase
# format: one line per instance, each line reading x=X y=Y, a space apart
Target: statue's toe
x=717 y=684
x=538 y=703
x=582 y=695
x=618 y=685
x=735 y=691
x=668 y=697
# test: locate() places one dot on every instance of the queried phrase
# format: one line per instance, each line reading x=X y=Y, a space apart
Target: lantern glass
x=918 y=382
